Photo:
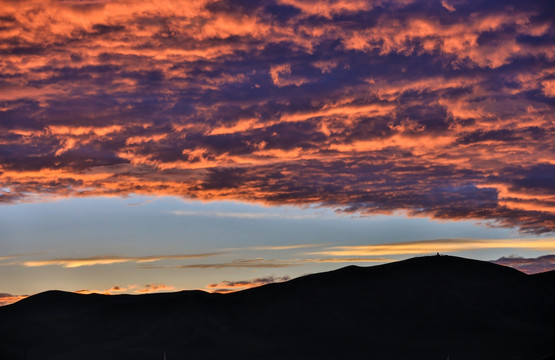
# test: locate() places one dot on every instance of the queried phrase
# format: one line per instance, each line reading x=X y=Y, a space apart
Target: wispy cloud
x=134 y=289
x=528 y=265
x=110 y=259
x=238 y=264
x=231 y=286
x=245 y=215
x=7 y=299
x=270 y=263
x=440 y=245
x=153 y=288
x=279 y=247
x=350 y=260
x=111 y=291
x=259 y=262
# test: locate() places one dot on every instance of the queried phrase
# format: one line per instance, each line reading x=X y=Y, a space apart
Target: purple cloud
x=443 y=109
x=528 y=265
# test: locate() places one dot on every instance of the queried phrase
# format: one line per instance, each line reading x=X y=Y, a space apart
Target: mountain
x=436 y=307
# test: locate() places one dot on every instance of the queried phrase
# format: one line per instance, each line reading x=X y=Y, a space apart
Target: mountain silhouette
x=435 y=307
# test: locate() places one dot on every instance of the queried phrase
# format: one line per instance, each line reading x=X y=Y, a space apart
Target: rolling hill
x=436 y=307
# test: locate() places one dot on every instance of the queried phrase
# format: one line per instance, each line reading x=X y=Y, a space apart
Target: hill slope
x=422 y=308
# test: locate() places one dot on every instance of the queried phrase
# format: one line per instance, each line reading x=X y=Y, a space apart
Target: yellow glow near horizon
x=441 y=245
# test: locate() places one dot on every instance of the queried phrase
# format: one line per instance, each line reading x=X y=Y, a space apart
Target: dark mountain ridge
x=422 y=308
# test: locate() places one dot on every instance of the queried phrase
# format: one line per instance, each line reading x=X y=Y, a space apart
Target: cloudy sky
x=165 y=145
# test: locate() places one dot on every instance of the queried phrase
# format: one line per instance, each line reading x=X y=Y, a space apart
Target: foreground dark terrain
x=437 y=307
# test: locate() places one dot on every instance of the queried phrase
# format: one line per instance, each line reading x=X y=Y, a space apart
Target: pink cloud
x=231 y=286
x=528 y=265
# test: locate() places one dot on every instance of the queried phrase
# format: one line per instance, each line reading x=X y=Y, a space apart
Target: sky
x=160 y=145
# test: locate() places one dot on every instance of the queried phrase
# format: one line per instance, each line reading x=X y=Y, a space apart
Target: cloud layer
x=231 y=286
x=111 y=259
x=529 y=265
x=7 y=299
x=442 y=109
x=439 y=245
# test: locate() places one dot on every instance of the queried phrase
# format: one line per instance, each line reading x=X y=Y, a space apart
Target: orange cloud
x=224 y=287
x=281 y=76
x=436 y=109
x=271 y=263
x=441 y=245
x=7 y=299
x=111 y=291
x=135 y=289
x=154 y=288
x=108 y=260
x=446 y=5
